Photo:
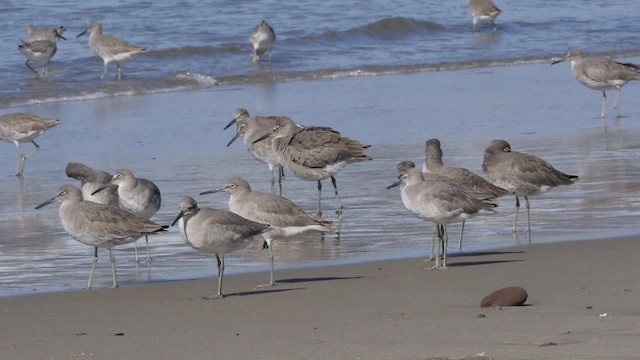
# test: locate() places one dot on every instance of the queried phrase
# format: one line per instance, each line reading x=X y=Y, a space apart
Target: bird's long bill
x=100 y=189
x=46 y=203
x=233 y=139
x=558 y=61
x=262 y=137
x=212 y=191
x=82 y=33
x=229 y=124
x=394 y=185
x=60 y=36
x=181 y=214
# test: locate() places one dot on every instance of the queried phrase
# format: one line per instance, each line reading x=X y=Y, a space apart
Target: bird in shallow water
x=522 y=174
x=601 y=73
x=109 y=48
x=98 y=225
x=24 y=127
x=262 y=38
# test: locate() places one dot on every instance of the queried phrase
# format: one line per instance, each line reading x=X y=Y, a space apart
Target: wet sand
x=582 y=304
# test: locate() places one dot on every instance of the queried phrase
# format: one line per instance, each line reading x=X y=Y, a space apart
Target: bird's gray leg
x=494 y=26
x=220 y=276
x=36 y=148
x=335 y=188
x=273 y=180
x=271 y=259
x=604 y=102
x=515 y=219
x=113 y=268
x=105 y=71
x=319 y=197
x=255 y=56
x=615 y=102
x=135 y=247
x=93 y=266
x=281 y=180
x=528 y=205
x=434 y=234
x=148 y=258
x=475 y=23
x=32 y=69
x=461 y=234
x=44 y=70
x=21 y=159
x=445 y=245
x=440 y=235
x=119 y=71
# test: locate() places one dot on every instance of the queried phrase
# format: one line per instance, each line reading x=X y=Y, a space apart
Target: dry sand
x=583 y=304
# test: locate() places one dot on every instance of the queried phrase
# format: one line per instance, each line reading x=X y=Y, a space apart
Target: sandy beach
x=582 y=304
x=583 y=295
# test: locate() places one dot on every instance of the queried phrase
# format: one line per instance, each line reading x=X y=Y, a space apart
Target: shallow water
x=194 y=45
x=177 y=141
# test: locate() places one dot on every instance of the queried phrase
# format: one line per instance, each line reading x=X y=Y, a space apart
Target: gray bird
x=473 y=184
x=46 y=34
x=601 y=73
x=109 y=47
x=138 y=196
x=315 y=153
x=24 y=127
x=436 y=199
x=91 y=180
x=262 y=38
x=522 y=174
x=483 y=11
x=98 y=225
x=41 y=46
x=285 y=218
x=249 y=129
x=215 y=231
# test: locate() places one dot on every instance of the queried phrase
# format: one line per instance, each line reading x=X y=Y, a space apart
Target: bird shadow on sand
x=263 y=291
x=315 y=279
x=485 y=253
x=476 y=263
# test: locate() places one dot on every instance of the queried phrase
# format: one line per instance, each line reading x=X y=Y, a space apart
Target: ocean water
x=194 y=44
x=440 y=80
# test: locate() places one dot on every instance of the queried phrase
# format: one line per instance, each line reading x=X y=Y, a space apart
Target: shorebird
x=601 y=73
x=429 y=197
x=91 y=180
x=522 y=174
x=473 y=184
x=285 y=218
x=40 y=51
x=99 y=225
x=262 y=38
x=215 y=231
x=23 y=127
x=315 y=153
x=109 y=48
x=483 y=11
x=138 y=196
x=46 y=34
x=250 y=128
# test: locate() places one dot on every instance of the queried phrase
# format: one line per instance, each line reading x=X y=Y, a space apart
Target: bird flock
x=109 y=210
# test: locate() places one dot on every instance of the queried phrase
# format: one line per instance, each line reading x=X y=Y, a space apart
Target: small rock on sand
x=509 y=296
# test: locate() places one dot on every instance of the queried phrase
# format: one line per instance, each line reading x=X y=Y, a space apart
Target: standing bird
x=262 y=38
x=601 y=73
x=98 y=225
x=215 y=231
x=138 y=196
x=483 y=11
x=109 y=48
x=285 y=218
x=23 y=127
x=521 y=174
x=439 y=201
x=250 y=128
x=315 y=153
x=47 y=34
x=41 y=46
x=91 y=180
x=473 y=184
